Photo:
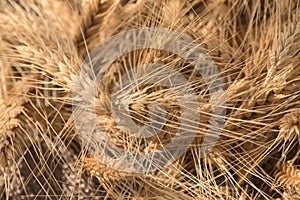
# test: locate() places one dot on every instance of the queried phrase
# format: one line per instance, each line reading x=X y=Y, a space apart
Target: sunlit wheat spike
x=120 y=184
x=40 y=44
x=103 y=172
x=92 y=15
x=289 y=129
x=288 y=176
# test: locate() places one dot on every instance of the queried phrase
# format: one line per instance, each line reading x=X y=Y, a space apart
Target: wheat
x=255 y=45
x=102 y=171
x=93 y=14
x=288 y=176
x=289 y=126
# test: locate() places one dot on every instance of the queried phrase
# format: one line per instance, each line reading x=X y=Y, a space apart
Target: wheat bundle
x=255 y=46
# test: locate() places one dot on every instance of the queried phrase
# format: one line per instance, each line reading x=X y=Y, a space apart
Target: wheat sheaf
x=44 y=45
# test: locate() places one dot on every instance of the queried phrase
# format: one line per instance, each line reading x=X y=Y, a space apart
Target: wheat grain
x=288 y=176
x=289 y=131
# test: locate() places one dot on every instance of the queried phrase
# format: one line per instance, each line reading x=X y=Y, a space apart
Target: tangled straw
x=255 y=46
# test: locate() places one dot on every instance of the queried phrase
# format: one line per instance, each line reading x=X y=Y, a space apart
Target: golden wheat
x=255 y=45
x=288 y=175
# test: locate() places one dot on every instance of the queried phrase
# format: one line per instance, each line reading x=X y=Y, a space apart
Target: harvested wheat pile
x=48 y=65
